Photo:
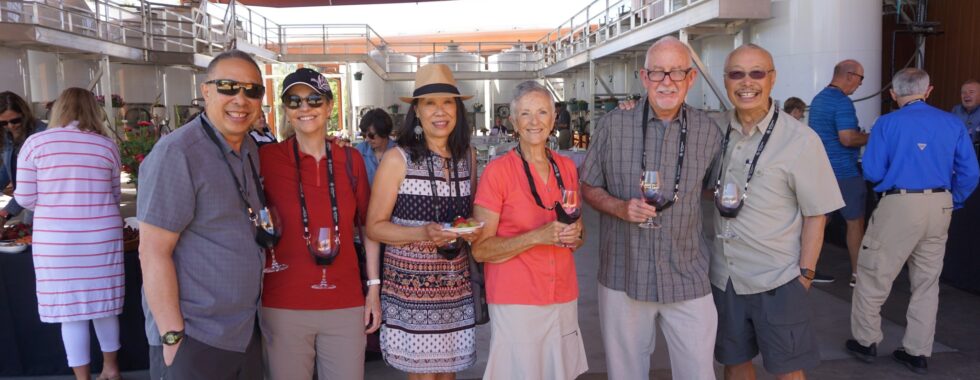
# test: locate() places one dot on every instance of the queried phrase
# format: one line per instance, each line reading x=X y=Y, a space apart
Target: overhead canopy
x=316 y=3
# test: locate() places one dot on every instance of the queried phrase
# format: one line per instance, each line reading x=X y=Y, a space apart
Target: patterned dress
x=426 y=299
x=70 y=179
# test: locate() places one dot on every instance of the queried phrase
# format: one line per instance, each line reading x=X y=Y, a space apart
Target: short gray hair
x=528 y=87
x=910 y=81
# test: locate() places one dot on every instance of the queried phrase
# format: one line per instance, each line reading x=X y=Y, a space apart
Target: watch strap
x=808 y=274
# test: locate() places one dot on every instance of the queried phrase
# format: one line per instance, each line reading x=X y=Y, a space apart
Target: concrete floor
x=956 y=352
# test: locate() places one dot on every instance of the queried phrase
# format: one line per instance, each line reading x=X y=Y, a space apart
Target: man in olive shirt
x=650 y=278
x=761 y=277
x=202 y=268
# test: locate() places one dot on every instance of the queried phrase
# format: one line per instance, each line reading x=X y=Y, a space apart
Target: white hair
x=528 y=87
x=910 y=81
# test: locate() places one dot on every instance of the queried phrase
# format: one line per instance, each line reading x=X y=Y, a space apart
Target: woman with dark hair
x=424 y=182
x=18 y=123
x=69 y=176
x=376 y=129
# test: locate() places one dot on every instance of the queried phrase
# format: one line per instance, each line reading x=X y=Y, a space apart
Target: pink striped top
x=70 y=179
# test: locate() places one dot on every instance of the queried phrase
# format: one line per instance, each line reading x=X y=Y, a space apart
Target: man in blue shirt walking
x=833 y=117
x=922 y=159
x=969 y=108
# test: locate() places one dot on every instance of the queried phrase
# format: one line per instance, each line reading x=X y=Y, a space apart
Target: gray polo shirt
x=663 y=265
x=186 y=187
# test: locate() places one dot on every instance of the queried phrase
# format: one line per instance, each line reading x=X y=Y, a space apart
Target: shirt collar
x=225 y=147
x=761 y=125
x=653 y=114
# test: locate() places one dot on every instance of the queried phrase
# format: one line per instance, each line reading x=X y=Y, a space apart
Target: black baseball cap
x=308 y=77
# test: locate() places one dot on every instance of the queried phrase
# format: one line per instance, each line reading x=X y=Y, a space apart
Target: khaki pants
x=904 y=227
x=629 y=333
x=295 y=340
x=535 y=342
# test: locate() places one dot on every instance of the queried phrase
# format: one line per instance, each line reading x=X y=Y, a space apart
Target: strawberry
x=459 y=221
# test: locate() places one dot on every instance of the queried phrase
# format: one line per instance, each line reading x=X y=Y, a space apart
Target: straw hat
x=434 y=80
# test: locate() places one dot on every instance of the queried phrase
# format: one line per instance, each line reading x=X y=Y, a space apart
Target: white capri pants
x=77 y=340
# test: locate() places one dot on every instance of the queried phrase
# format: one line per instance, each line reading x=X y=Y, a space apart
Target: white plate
x=11 y=247
x=463 y=230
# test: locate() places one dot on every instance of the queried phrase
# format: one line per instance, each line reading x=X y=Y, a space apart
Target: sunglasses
x=231 y=88
x=14 y=121
x=858 y=75
x=754 y=74
x=295 y=101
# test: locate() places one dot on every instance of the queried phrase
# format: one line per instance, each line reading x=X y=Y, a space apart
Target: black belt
x=905 y=191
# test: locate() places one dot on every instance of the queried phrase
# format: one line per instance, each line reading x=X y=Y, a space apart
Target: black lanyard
x=206 y=125
x=530 y=179
x=302 y=195
x=681 y=148
x=755 y=160
x=454 y=178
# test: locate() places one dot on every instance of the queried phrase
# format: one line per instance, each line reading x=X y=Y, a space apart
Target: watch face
x=171 y=338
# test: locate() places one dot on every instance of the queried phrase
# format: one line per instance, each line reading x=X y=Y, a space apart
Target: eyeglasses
x=231 y=88
x=12 y=122
x=858 y=75
x=754 y=74
x=371 y=135
x=295 y=101
x=675 y=75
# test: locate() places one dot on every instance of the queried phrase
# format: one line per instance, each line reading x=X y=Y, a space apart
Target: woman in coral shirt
x=530 y=272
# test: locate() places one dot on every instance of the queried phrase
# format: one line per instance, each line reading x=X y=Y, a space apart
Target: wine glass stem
x=273 y=252
x=323 y=277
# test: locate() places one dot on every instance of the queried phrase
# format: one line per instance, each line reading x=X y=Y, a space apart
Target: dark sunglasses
x=675 y=75
x=754 y=74
x=14 y=121
x=231 y=88
x=295 y=101
x=858 y=75
x=372 y=135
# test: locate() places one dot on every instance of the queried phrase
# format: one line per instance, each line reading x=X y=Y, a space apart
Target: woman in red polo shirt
x=306 y=320
x=530 y=271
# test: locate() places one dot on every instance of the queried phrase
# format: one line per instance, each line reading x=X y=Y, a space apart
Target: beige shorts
x=535 y=342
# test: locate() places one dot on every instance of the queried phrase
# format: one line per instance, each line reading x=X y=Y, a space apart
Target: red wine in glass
x=451 y=249
x=326 y=247
x=269 y=221
x=650 y=189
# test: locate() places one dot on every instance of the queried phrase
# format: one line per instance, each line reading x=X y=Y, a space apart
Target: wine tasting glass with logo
x=325 y=248
x=268 y=220
x=728 y=204
x=650 y=187
x=570 y=204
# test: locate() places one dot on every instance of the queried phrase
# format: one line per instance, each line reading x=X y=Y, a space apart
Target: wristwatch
x=171 y=338
x=373 y=282
x=808 y=274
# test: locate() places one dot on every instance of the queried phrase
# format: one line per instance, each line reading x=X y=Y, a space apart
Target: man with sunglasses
x=760 y=277
x=199 y=194
x=651 y=277
x=833 y=117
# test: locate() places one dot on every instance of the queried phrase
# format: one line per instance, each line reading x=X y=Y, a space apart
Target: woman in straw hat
x=420 y=185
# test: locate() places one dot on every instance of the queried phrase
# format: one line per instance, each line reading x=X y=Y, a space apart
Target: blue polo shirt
x=921 y=147
x=971 y=119
x=830 y=112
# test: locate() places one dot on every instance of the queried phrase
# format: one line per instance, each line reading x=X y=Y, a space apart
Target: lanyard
x=755 y=160
x=454 y=178
x=206 y=125
x=681 y=147
x=530 y=180
x=302 y=195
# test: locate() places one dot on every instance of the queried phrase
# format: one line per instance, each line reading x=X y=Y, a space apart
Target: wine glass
x=572 y=210
x=730 y=198
x=325 y=247
x=268 y=220
x=650 y=188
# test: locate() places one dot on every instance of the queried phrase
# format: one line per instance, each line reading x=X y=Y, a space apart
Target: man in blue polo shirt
x=969 y=108
x=923 y=161
x=833 y=117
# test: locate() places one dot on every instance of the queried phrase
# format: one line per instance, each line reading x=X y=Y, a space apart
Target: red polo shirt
x=544 y=274
x=290 y=289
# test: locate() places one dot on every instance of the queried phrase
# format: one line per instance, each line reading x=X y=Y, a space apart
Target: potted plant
x=583 y=105
x=393 y=109
x=477 y=107
x=134 y=145
x=358 y=75
x=573 y=105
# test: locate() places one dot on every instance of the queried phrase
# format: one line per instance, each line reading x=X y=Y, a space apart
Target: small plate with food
x=462 y=225
x=12 y=246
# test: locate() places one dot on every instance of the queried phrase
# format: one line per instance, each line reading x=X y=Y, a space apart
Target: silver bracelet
x=373 y=282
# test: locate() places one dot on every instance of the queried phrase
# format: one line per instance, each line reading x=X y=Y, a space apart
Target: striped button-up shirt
x=663 y=265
